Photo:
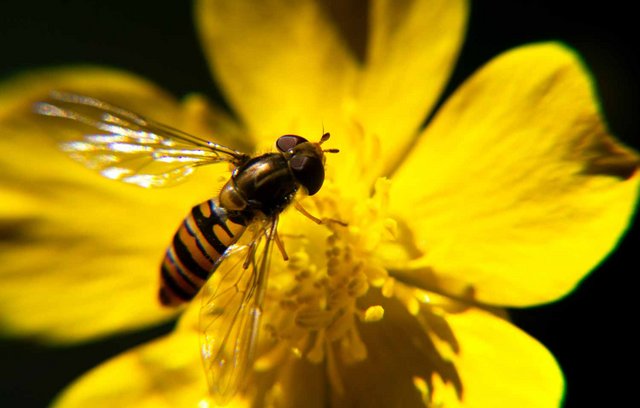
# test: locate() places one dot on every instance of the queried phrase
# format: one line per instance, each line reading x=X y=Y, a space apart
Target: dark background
x=589 y=332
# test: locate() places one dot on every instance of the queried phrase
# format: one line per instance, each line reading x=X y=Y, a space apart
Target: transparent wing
x=231 y=310
x=125 y=146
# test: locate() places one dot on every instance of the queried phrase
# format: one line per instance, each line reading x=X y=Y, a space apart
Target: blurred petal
x=516 y=190
x=412 y=48
x=282 y=64
x=80 y=254
x=164 y=373
x=200 y=117
x=110 y=84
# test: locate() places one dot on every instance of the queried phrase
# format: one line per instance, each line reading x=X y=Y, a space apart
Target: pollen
x=373 y=314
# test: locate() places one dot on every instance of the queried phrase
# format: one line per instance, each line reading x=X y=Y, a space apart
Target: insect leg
x=315 y=219
x=250 y=255
x=280 y=245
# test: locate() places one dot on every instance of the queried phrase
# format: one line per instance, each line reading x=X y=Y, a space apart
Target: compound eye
x=288 y=142
x=309 y=171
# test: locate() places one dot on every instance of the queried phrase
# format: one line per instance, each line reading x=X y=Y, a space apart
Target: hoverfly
x=232 y=234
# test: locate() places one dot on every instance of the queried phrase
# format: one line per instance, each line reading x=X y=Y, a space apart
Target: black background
x=589 y=332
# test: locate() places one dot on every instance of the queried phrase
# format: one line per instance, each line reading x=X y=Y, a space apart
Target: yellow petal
x=501 y=366
x=516 y=190
x=412 y=48
x=356 y=71
x=282 y=65
x=80 y=254
x=165 y=373
x=398 y=350
x=468 y=358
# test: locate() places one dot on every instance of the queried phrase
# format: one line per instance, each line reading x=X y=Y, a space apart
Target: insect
x=232 y=234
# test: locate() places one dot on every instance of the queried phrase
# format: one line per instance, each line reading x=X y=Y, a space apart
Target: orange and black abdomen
x=202 y=238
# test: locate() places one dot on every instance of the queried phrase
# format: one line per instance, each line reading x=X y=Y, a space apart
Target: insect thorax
x=263 y=184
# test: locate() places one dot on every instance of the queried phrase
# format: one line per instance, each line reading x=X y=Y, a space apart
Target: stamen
x=334 y=374
x=316 y=354
x=317 y=315
x=313 y=319
x=353 y=348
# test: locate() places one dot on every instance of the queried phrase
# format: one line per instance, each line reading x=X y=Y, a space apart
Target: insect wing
x=232 y=308
x=125 y=146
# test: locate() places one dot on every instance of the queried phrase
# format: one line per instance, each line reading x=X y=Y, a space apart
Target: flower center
x=313 y=300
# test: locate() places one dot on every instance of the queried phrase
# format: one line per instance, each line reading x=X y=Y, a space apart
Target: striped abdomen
x=202 y=238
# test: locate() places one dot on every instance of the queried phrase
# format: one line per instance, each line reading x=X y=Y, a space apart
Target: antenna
x=324 y=138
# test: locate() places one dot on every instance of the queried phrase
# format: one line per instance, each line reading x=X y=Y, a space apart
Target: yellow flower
x=509 y=197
